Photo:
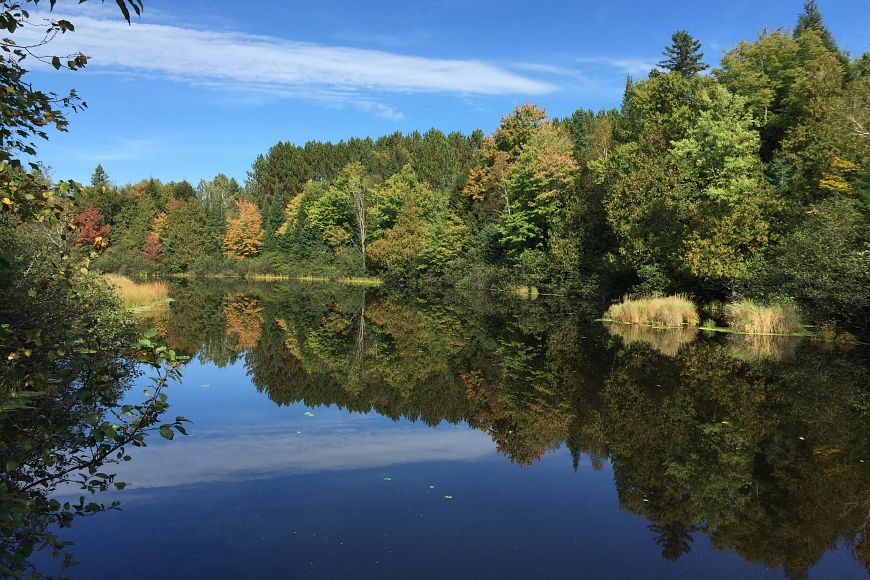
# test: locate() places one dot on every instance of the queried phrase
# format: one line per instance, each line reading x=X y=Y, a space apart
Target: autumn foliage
x=152 y=248
x=244 y=318
x=91 y=229
x=244 y=235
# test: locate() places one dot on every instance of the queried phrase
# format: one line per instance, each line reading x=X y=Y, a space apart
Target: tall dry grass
x=666 y=311
x=138 y=294
x=751 y=318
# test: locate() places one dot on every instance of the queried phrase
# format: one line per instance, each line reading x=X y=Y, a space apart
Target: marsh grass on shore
x=663 y=311
x=748 y=317
x=139 y=294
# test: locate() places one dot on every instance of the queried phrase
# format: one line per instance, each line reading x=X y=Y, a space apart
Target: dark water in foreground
x=340 y=432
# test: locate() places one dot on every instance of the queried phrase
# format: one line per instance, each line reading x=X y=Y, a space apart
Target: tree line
x=748 y=179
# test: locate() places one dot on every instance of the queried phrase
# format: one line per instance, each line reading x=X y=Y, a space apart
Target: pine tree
x=99 y=178
x=811 y=19
x=683 y=55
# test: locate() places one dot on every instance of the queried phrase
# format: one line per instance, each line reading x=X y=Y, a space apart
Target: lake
x=342 y=431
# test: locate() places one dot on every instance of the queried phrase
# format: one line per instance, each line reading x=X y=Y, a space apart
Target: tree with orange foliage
x=244 y=318
x=244 y=236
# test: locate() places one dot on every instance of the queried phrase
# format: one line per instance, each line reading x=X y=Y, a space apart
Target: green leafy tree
x=424 y=236
x=762 y=72
x=184 y=236
x=643 y=195
x=811 y=19
x=218 y=197
x=723 y=197
x=822 y=265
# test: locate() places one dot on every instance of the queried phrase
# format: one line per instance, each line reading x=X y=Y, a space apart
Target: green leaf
x=166 y=432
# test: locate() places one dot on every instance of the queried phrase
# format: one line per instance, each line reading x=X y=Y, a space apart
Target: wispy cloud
x=627 y=65
x=121 y=150
x=250 y=62
x=262 y=452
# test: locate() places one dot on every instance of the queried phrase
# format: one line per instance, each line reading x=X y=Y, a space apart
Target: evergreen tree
x=683 y=55
x=811 y=19
x=99 y=178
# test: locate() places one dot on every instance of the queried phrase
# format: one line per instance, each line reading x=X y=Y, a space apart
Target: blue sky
x=199 y=87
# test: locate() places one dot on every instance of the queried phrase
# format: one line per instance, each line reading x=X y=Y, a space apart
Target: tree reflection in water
x=760 y=445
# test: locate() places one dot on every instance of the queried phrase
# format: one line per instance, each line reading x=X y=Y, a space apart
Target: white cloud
x=121 y=150
x=636 y=67
x=249 y=62
x=261 y=452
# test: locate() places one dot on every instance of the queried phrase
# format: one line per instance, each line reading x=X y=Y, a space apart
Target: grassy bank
x=663 y=311
x=348 y=280
x=748 y=317
x=139 y=296
x=742 y=317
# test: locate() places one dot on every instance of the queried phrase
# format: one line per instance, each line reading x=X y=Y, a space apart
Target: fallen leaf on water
x=448 y=497
x=309 y=414
x=388 y=479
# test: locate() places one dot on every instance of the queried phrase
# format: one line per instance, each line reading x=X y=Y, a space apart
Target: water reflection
x=760 y=444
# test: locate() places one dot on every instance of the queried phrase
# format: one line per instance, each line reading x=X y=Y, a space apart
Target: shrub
x=751 y=318
x=668 y=311
x=822 y=265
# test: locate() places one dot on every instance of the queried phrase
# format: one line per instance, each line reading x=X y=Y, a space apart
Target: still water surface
x=343 y=432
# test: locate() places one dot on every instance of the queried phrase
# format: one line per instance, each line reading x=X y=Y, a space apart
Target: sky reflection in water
x=692 y=460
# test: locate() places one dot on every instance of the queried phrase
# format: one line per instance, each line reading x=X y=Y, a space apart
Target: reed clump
x=138 y=294
x=664 y=311
x=752 y=318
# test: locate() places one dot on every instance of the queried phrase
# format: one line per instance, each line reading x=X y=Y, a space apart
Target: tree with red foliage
x=92 y=230
x=152 y=248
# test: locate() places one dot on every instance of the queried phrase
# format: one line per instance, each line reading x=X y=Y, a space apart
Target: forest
x=745 y=180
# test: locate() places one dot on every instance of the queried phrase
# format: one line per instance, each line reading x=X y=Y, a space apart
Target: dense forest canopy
x=746 y=180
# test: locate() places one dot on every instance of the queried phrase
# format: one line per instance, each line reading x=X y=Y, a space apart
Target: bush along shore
x=678 y=311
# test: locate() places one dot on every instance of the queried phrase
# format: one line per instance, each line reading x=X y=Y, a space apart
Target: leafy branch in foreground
x=53 y=460
x=25 y=111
